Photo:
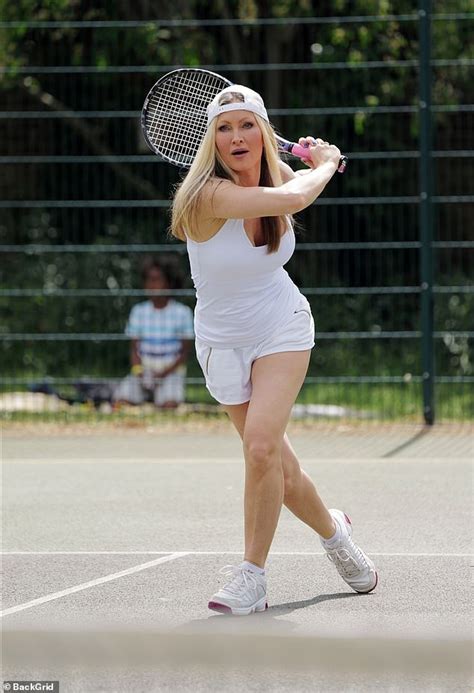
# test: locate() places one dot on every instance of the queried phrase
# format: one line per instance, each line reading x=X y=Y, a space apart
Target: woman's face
x=239 y=140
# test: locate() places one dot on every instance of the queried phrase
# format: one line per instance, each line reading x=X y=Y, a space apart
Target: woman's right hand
x=320 y=152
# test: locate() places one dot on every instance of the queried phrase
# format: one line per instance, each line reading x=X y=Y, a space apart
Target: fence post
x=426 y=211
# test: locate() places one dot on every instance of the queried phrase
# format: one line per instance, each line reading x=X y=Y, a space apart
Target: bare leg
x=300 y=494
x=276 y=380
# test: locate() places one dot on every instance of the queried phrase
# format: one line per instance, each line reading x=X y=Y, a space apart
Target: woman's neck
x=250 y=178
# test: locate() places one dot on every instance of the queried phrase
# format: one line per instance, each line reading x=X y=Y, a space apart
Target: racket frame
x=283 y=144
x=152 y=93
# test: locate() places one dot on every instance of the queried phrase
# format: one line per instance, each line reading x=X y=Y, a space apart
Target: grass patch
x=400 y=402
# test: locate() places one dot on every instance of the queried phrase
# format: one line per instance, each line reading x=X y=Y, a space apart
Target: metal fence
x=383 y=256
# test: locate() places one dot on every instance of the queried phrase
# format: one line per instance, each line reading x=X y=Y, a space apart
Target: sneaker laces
x=238 y=578
x=348 y=562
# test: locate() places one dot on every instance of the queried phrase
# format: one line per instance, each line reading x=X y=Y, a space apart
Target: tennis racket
x=174 y=116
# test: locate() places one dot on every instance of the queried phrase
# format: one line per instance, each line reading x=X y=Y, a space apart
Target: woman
x=254 y=330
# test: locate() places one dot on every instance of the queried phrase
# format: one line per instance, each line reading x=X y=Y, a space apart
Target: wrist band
x=137 y=369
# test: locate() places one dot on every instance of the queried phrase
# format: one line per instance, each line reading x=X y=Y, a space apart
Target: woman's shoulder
x=208 y=224
x=205 y=206
x=211 y=185
x=207 y=229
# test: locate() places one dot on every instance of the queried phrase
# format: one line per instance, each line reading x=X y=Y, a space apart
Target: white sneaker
x=245 y=593
x=351 y=562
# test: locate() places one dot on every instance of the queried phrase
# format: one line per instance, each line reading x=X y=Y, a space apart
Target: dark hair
x=169 y=266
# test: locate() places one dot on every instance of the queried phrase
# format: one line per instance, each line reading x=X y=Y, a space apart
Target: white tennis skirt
x=228 y=371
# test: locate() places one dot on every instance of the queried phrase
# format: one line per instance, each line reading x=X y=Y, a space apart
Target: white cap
x=251 y=101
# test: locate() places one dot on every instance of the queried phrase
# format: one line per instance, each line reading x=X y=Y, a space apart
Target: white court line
x=91 y=583
x=376 y=459
x=221 y=553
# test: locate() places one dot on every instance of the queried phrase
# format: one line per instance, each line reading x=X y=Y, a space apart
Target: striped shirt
x=160 y=331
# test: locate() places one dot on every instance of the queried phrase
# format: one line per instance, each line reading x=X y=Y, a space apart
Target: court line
x=222 y=553
x=379 y=459
x=92 y=583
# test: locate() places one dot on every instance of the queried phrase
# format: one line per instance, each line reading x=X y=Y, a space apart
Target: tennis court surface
x=113 y=542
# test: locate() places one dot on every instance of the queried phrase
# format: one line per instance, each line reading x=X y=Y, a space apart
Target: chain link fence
x=383 y=256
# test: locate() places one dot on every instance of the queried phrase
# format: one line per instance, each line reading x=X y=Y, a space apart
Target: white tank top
x=243 y=293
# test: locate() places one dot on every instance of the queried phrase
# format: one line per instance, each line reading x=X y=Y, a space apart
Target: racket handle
x=302 y=153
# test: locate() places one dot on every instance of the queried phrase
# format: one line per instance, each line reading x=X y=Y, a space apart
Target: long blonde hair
x=208 y=164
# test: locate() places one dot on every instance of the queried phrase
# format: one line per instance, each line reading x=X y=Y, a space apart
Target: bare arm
x=287 y=173
x=226 y=200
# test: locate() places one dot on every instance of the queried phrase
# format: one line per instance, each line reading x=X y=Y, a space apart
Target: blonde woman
x=254 y=329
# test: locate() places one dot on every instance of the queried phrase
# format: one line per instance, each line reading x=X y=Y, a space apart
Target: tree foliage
x=104 y=85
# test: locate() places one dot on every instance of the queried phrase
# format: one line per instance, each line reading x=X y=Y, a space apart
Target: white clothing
x=228 y=371
x=136 y=390
x=252 y=101
x=243 y=293
x=160 y=332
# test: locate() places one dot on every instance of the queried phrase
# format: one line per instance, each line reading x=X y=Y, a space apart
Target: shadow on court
x=112 y=547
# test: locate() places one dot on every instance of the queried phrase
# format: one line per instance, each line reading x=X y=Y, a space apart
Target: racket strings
x=176 y=116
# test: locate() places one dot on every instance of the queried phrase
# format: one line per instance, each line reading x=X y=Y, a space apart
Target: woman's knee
x=262 y=451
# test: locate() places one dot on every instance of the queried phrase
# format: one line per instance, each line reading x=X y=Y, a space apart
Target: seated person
x=161 y=332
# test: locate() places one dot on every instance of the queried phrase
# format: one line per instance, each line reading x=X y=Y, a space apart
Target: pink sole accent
x=215 y=606
x=223 y=609
x=348 y=519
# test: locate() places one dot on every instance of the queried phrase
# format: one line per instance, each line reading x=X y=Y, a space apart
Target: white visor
x=251 y=101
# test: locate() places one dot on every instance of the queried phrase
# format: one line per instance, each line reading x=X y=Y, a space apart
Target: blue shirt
x=160 y=331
